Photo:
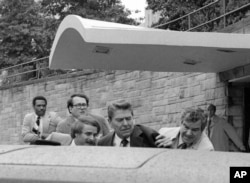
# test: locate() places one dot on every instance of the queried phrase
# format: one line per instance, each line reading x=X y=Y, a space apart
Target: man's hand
x=242 y=148
x=162 y=141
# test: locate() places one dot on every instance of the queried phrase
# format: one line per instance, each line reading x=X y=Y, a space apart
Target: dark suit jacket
x=141 y=136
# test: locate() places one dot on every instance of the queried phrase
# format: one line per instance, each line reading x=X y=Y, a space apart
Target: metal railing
x=35 y=69
x=39 y=68
x=221 y=19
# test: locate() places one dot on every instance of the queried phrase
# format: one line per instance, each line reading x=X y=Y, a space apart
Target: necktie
x=124 y=143
x=182 y=146
x=38 y=121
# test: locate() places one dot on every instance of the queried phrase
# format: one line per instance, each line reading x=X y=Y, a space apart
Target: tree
x=108 y=10
x=22 y=21
x=173 y=9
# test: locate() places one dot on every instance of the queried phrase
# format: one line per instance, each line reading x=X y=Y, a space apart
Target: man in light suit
x=190 y=135
x=83 y=132
x=126 y=133
x=39 y=124
x=220 y=132
x=78 y=106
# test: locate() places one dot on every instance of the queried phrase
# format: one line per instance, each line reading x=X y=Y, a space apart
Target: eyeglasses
x=78 y=106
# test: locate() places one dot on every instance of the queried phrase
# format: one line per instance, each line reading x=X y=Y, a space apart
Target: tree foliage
x=28 y=27
x=19 y=23
x=173 y=9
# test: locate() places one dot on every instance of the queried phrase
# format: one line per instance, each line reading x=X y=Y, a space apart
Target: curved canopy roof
x=90 y=44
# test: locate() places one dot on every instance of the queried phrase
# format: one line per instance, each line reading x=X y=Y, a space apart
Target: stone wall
x=158 y=97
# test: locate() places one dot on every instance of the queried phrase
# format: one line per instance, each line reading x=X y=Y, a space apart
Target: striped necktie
x=182 y=146
x=38 y=120
x=124 y=143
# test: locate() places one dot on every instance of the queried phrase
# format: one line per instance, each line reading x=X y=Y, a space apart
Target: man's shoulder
x=205 y=143
x=97 y=116
x=169 y=131
x=104 y=140
x=68 y=119
x=219 y=119
x=145 y=129
x=29 y=115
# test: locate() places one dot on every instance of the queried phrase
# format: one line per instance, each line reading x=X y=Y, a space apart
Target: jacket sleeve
x=27 y=134
x=232 y=134
x=54 y=121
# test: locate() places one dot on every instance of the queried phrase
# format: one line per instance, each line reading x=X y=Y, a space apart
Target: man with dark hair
x=190 y=135
x=83 y=132
x=220 y=132
x=126 y=133
x=39 y=124
x=78 y=106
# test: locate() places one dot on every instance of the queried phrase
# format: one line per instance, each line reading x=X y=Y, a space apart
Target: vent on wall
x=191 y=62
x=102 y=49
x=226 y=51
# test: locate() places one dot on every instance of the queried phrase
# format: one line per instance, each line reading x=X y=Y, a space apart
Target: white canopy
x=90 y=44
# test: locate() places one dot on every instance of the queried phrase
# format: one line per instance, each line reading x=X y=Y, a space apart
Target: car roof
x=112 y=164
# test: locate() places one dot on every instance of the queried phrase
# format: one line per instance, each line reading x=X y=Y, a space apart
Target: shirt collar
x=117 y=141
x=73 y=143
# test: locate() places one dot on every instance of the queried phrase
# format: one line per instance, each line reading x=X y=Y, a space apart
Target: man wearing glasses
x=78 y=106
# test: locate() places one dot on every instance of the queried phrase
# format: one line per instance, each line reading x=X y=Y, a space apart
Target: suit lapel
x=135 y=139
x=110 y=139
x=46 y=121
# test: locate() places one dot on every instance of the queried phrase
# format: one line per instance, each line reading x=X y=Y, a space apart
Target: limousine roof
x=24 y=163
x=90 y=44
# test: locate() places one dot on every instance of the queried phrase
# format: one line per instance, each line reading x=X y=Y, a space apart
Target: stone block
x=235 y=110
x=209 y=94
x=219 y=92
x=238 y=122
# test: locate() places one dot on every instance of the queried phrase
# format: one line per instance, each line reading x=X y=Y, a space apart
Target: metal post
x=189 y=22
x=224 y=12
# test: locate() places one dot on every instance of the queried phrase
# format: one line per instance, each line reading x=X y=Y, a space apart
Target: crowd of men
x=199 y=130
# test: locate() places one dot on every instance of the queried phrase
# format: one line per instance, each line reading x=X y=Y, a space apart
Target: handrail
x=210 y=4
x=207 y=22
x=35 y=60
x=224 y=15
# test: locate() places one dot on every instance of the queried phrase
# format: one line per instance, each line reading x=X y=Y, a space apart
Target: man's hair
x=70 y=101
x=193 y=115
x=38 y=98
x=211 y=106
x=78 y=126
x=121 y=105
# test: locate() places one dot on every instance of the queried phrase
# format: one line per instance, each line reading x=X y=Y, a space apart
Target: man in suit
x=126 y=133
x=40 y=123
x=83 y=132
x=78 y=106
x=190 y=135
x=220 y=132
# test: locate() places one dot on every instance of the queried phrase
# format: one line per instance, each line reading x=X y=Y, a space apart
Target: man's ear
x=70 y=109
x=110 y=122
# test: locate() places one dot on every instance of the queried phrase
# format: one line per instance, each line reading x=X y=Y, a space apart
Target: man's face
x=40 y=107
x=79 y=107
x=87 y=137
x=210 y=111
x=123 y=123
x=190 y=131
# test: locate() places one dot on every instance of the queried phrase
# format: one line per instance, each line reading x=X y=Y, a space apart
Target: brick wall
x=158 y=97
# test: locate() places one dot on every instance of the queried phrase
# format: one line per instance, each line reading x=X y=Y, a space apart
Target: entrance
x=246 y=123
